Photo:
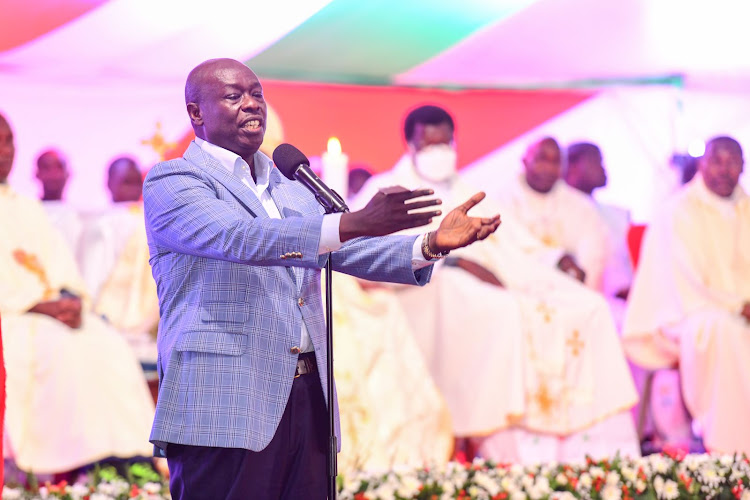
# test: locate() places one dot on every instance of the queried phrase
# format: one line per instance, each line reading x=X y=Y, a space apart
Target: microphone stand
x=332 y=449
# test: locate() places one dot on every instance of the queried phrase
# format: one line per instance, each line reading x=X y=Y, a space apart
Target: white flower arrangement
x=667 y=476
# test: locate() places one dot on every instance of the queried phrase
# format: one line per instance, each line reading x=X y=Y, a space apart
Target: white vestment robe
x=67 y=221
x=115 y=266
x=537 y=358
x=562 y=218
x=692 y=280
x=392 y=413
x=617 y=274
x=74 y=396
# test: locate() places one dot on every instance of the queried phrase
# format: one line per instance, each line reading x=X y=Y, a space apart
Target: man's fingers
x=414 y=205
x=417 y=220
x=491 y=220
x=408 y=195
x=423 y=215
x=468 y=204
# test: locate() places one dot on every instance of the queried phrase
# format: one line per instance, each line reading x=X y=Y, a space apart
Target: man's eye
x=258 y=95
x=232 y=96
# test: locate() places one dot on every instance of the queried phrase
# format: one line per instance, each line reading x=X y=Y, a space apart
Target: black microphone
x=295 y=166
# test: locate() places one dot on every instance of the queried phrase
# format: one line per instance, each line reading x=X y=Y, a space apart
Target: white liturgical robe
x=74 y=396
x=537 y=358
x=392 y=413
x=692 y=280
x=562 y=218
x=116 y=269
x=67 y=221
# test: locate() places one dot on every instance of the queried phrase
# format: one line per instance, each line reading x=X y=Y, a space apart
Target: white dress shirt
x=330 y=238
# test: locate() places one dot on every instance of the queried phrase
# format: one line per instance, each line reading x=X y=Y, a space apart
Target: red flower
x=738 y=489
x=687 y=480
x=675 y=452
x=598 y=484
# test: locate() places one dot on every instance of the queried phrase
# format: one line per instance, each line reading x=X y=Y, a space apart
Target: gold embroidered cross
x=575 y=343
x=544 y=399
x=545 y=310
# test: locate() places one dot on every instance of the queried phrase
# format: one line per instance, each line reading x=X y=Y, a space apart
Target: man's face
x=232 y=110
x=7 y=150
x=52 y=172
x=721 y=167
x=593 y=170
x=125 y=184
x=430 y=135
x=542 y=166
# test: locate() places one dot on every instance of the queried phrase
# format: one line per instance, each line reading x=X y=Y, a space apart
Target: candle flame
x=334 y=146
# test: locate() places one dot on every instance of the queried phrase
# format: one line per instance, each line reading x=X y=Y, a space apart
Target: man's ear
x=195 y=114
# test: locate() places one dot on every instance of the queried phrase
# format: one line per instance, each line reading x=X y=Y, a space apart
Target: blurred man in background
x=585 y=172
x=690 y=301
x=558 y=215
x=53 y=175
x=75 y=392
x=115 y=261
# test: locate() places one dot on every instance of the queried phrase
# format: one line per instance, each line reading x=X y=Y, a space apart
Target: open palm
x=458 y=229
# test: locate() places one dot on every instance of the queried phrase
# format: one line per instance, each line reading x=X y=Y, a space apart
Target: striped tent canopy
x=97 y=78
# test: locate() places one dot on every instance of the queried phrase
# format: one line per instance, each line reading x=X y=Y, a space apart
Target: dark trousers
x=293 y=466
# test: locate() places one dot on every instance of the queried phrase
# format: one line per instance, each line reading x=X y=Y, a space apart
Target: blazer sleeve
x=184 y=214
x=385 y=258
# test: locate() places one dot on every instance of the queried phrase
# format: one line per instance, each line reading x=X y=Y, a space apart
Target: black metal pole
x=332 y=466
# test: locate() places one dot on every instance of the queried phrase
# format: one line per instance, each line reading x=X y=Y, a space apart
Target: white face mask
x=436 y=163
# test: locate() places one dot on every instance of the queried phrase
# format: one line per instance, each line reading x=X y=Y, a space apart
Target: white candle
x=335 y=172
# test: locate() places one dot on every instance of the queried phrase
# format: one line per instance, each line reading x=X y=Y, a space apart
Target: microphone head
x=287 y=158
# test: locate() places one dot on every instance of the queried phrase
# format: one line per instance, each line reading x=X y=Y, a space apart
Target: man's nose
x=249 y=102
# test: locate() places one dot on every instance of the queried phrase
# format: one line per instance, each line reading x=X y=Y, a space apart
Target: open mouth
x=253 y=124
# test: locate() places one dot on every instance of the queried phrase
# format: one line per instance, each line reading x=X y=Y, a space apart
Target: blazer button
x=295 y=350
x=301 y=301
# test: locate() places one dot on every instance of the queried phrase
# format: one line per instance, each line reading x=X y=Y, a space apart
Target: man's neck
x=250 y=160
x=51 y=196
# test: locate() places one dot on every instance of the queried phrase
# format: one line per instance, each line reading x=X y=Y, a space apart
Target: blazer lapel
x=234 y=185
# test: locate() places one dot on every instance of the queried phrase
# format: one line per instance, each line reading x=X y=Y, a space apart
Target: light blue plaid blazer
x=229 y=304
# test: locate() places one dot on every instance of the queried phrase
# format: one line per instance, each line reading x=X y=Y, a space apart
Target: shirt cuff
x=330 y=238
x=417 y=257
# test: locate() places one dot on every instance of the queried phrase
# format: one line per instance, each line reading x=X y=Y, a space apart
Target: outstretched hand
x=458 y=229
x=391 y=210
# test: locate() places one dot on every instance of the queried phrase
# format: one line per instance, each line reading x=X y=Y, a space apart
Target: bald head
x=542 y=165
x=52 y=173
x=124 y=180
x=200 y=75
x=225 y=102
x=7 y=149
x=721 y=165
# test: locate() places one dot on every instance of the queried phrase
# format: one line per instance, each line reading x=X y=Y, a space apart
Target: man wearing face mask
x=513 y=343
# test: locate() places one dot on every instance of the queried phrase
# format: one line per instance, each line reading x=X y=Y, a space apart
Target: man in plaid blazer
x=236 y=252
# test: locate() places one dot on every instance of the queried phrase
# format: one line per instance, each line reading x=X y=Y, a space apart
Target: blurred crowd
x=552 y=340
